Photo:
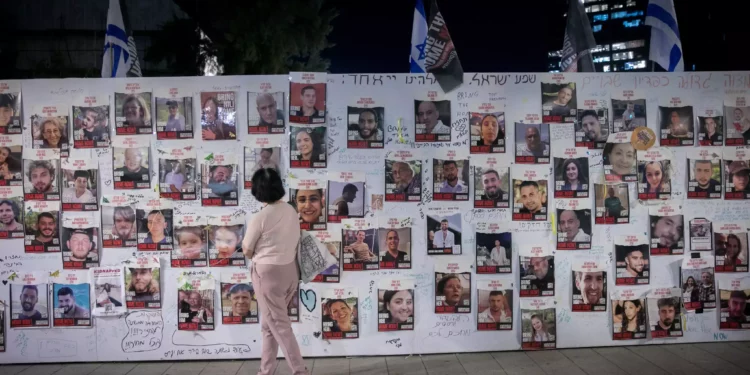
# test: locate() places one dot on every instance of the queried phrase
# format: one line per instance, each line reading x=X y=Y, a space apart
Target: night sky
x=515 y=35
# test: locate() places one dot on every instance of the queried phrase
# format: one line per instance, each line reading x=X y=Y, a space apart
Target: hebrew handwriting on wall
x=145 y=332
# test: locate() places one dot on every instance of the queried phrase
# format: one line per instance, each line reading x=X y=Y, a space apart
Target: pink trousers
x=275 y=286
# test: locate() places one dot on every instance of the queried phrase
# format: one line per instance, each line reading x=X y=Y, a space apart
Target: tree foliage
x=248 y=37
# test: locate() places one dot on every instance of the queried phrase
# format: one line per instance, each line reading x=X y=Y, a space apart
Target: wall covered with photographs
x=520 y=211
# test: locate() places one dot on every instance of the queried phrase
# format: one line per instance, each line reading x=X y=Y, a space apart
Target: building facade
x=621 y=34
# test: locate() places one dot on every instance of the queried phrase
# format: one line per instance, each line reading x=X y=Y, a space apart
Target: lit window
x=587 y=9
x=601 y=59
x=605 y=68
x=596 y=28
x=600 y=48
x=628 y=45
x=630 y=3
x=633 y=23
x=632 y=65
x=616 y=6
x=601 y=17
x=626 y=14
x=595 y=8
x=605 y=6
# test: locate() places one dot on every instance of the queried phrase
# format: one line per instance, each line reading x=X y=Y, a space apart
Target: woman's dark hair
x=639 y=318
x=733 y=236
x=387 y=296
x=267 y=186
x=500 y=132
x=582 y=178
x=662 y=167
x=444 y=280
x=685 y=285
x=316 y=150
x=13 y=164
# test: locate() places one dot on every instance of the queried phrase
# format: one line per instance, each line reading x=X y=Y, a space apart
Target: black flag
x=578 y=41
x=441 y=58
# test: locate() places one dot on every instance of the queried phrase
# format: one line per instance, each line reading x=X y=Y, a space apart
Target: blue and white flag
x=666 y=48
x=418 y=39
x=120 y=55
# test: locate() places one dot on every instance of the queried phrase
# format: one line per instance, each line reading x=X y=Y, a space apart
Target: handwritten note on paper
x=145 y=332
x=562 y=135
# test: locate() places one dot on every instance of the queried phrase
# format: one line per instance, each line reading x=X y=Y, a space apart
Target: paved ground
x=712 y=358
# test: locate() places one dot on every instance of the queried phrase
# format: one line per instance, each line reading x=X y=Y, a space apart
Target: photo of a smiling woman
x=619 y=161
x=309 y=204
x=307 y=147
x=340 y=315
x=653 y=177
x=396 y=307
x=50 y=132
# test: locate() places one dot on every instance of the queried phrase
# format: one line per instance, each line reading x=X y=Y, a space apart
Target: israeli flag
x=418 y=39
x=666 y=48
x=120 y=55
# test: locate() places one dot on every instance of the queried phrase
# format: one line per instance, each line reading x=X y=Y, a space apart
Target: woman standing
x=271 y=242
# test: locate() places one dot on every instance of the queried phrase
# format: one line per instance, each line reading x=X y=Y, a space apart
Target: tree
x=256 y=37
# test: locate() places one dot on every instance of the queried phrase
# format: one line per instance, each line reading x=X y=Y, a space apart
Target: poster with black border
x=711 y=129
x=225 y=234
x=676 y=122
x=628 y=314
x=628 y=110
x=90 y=119
x=574 y=224
x=450 y=176
x=403 y=177
x=494 y=248
x=396 y=305
x=238 y=302
x=133 y=109
x=731 y=244
x=733 y=295
x=487 y=123
x=11 y=213
x=308 y=146
x=307 y=97
x=572 y=173
x=346 y=196
x=665 y=312
x=432 y=118
x=701 y=293
x=592 y=124
x=71 y=296
x=41 y=169
x=308 y=197
x=108 y=290
x=80 y=240
x=395 y=242
x=537 y=270
x=2 y=326
x=667 y=225
x=444 y=230
x=49 y=128
x=737 y=172
x=178 y=173
x=632 y=260
x=452 y=286
x=11 y=150
x=339 y=319
x=331 y=238
x=10 y=101
x=119 y=227
x=218 y=115
x=365 y=123
x=79 y=180
x=532 y=143
x=196 y=291
x=655 y=172
x=154 y=221
x=491 y=182
x=704 y=173
x=589 y=284
x=530 y=192
x=174 y=113
x=360 y=246
x=265 y=111
x=220 y=179
x=559 y=104
x=611 y=203
x=701 y=234
x=737 y=115
x=29 y=296
x=143 y=282
x=131 y=160
x=538 y=323
x=190 y=240
x=42 y=223
x=495 y=301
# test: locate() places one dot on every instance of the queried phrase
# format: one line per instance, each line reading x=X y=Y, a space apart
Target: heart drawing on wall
x=308 y=299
